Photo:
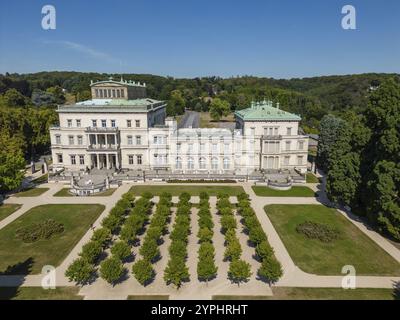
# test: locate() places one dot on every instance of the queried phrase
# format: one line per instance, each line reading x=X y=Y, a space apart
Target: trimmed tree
x=176 y=272
x=143 y=271
x=270 y=270
x=111 y=270
x=206 y=269
x=121 y=250
x=91 y=251
x=239 y=271
x=80 y=271
x=149 y=250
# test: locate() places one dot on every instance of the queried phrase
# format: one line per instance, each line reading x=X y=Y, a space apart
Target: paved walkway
x=293 y=276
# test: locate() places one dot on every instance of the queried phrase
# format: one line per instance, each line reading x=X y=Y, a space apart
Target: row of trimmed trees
x=206 y=268
x=239 y=270
x=176 y=271
x=83 y=269
x=142 y=269
x=270 y=269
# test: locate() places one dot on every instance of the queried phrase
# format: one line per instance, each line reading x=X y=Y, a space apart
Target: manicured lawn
x=295 y=191
x=313 y=256
x=288 y=293
x=34 y=192
x=7 y=209
x=18 y=257
x=311 y=178
x=148 y=297
x=193 y=190
x=65 y=193
x=41 y=179
x=38 y=293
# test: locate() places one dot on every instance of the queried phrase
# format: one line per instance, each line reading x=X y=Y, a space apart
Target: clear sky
x=188 y=38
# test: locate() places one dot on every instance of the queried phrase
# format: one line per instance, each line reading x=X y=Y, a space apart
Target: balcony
x=271 y=137
x=101 y=129
x=102 y=147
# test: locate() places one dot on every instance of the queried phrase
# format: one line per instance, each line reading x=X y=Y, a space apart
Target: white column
x=98 y=161
x=107 y=161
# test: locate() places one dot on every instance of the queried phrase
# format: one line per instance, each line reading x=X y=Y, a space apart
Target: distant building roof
x=261 y=111
x=121 y=82
x=113 y=105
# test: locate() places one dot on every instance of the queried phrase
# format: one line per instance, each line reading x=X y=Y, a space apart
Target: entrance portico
x=105 y=160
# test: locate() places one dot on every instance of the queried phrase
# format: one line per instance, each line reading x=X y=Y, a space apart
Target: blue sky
x=187 y=38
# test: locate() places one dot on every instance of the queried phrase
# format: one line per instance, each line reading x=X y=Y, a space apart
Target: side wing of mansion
x=120 y=128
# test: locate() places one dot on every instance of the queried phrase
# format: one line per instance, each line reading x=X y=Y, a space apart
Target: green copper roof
x=264 y=111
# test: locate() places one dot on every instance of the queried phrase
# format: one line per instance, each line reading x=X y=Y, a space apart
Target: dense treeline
x=361 y=155
x=312 y=98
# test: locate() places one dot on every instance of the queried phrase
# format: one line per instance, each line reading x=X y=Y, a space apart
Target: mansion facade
x=120 y=128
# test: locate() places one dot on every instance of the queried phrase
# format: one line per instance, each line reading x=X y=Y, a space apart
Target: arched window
x=202 y=163
x=190 y=163
x=214 y=163
x=227 y=163
x=178 y=163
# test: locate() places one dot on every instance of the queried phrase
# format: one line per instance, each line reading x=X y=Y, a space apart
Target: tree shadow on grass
x=19 y=271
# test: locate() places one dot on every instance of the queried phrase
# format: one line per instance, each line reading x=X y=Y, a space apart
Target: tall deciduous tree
x=219 y=108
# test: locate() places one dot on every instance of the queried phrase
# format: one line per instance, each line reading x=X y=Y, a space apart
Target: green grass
x=18 y=257
x=7 y=209
x=292 y=293
x=33 y=192
x=64 y=192
x=41 y=179
x=311 y=178
x=193 y=190
x=148 y=297
x=313 y=256
x=38 y=293
x=296 y=191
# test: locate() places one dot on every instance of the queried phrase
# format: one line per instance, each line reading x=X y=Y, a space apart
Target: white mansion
x=122 y=129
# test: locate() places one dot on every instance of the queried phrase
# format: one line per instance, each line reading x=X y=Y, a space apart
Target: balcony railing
x=101 y=129
x=102 y=147
x=271 y=137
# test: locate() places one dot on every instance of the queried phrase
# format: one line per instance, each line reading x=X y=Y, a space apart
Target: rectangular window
x=214 y=147
x=94 y=123
x=178 y=147
x=138 y=140
x=137 y=122
x=81 y=159
x=130 y=140
x=129 y=123
x=80 y=140
x=58 y=139
x=190 y=148
x=276 y=131
x=78 y=123
x=286 y=160
x=202 y=147
x=73 y=159
x=59 y=158
x=69 y=122
x=252 y=131
x=70 y=140
x=130 y=159
x=139 y=159
x=113 y=123
x=299 y=160
x=104 y=123
x=288 y=143
x=301 y=145
x=226 y=147
x=289 y=131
